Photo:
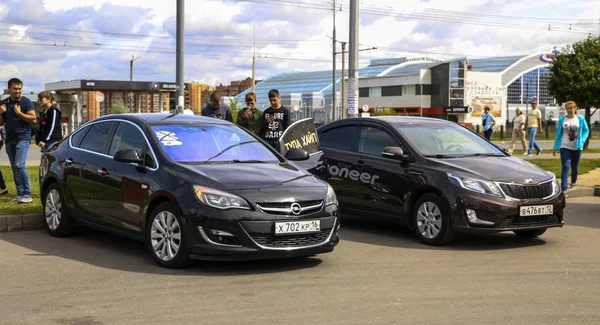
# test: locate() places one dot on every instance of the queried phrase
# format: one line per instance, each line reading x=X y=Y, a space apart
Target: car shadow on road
x=113 y=252
x=393 y=235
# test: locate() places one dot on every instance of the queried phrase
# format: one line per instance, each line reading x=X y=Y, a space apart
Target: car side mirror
x=128 y=156
x=297 y=154
x=395 y=153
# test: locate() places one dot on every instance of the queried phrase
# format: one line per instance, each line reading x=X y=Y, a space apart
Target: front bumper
x=500 y=214
x=253 y=234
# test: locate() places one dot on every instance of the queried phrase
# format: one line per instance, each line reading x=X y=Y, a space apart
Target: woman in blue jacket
x=571 y=134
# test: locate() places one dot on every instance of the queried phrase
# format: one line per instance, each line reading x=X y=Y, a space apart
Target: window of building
x=391 y=91
x=363 y=92
x=375 y=92
x=409 y=90
x=423 y=90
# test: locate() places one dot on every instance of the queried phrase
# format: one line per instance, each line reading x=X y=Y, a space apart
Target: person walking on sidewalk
x=17 y=114
x=518 y=131
x=534 y=124
x=571 y=133
x=49 y=129
x=3 y=189
x=488 y=122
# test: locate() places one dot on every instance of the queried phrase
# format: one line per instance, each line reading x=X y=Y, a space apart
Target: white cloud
x=286 y=35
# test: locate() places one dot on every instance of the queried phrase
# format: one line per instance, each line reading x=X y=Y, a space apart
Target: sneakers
x=4 y=191
x=538 y=152
x=526 y=154
x=26 y=199
x=22 y=199
x=573 y=186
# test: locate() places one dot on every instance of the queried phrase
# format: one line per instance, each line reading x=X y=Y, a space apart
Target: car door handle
x=68 y=161
x=102 y=171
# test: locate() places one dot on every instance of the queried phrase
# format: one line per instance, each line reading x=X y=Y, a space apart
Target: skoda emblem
x=528 y=180
x=296 y=208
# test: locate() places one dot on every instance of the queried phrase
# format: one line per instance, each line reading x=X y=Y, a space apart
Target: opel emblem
x=528 y=180
x=296 y=208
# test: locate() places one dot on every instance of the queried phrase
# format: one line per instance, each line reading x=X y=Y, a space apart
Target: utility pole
x=133 y=58
x=254 y=59
x=353 y=71
x=131 y=101
x=179 y=58
x=344 y=112
x=333 y=94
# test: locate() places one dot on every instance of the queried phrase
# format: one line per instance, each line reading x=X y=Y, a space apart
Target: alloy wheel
x=53 y=209
x=429 y=220
x=165 y=235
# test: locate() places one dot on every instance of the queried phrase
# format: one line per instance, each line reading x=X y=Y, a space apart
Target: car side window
x=373 y=140
x=127 y=136
x=341 y=138
x=96 y=138
x=78 y=136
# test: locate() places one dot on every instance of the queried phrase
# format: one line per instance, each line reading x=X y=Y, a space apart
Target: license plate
x=293 y=227
x=536 y=210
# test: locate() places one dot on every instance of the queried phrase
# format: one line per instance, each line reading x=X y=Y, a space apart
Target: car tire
x=530 y=233
x=57 y=220
x=431 y=220
x=165 y=238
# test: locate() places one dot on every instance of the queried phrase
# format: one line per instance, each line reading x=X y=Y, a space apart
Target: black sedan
x=190 y=187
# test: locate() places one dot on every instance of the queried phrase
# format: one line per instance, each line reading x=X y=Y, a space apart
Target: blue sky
x=51 y=40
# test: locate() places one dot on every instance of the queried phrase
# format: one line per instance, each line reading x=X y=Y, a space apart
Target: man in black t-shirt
x=276 y=120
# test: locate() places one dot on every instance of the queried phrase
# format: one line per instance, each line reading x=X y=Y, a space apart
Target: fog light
x=218 y=237
x=472 y=215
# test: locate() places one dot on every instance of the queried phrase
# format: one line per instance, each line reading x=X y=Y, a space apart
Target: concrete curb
x=20 y=222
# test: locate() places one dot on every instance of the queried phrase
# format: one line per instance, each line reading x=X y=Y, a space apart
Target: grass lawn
x=14 y=208
x=549 y=151
x=553 y=165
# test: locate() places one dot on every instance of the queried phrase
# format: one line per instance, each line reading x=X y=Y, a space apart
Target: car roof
x=163 y=118
x=408 y=119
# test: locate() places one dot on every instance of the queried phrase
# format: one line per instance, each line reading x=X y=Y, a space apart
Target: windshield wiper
x=227 y=149
x=484 y=155
x=442 y=156
x=249 y=161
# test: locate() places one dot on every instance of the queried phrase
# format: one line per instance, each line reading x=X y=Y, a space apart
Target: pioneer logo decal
x=354 y=175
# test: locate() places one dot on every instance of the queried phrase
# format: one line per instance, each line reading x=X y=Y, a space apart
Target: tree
x=576 y=76
x=235 y=107
x=118 y=107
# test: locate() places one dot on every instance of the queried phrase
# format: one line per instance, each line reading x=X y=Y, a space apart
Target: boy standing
x=276 y=120
x=250 y=117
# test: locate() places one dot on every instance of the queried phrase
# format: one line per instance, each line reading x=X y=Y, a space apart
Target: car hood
x=237 y=176
x=502 y=169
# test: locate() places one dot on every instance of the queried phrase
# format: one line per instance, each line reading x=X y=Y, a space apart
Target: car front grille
x=291 y=241
x=285 y=208
x=529 y=221
x=527 y=192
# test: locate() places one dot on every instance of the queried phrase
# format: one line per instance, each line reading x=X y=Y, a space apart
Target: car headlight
x=330 y=199
x=219 y=199
x=476 y=185
x=555 y=185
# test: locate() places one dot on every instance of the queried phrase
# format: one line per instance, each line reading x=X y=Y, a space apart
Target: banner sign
x=301 y=134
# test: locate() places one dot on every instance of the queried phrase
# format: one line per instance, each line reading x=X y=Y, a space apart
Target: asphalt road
x=378 y=274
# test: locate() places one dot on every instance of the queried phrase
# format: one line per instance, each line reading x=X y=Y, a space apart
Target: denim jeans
x=2 y=184
x=17 y=154
x=570 y=160
x=488 y=133
x=532 y=144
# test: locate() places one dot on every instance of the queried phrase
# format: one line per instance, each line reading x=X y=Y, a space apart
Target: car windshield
x=446 y=140
x=211 y=144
